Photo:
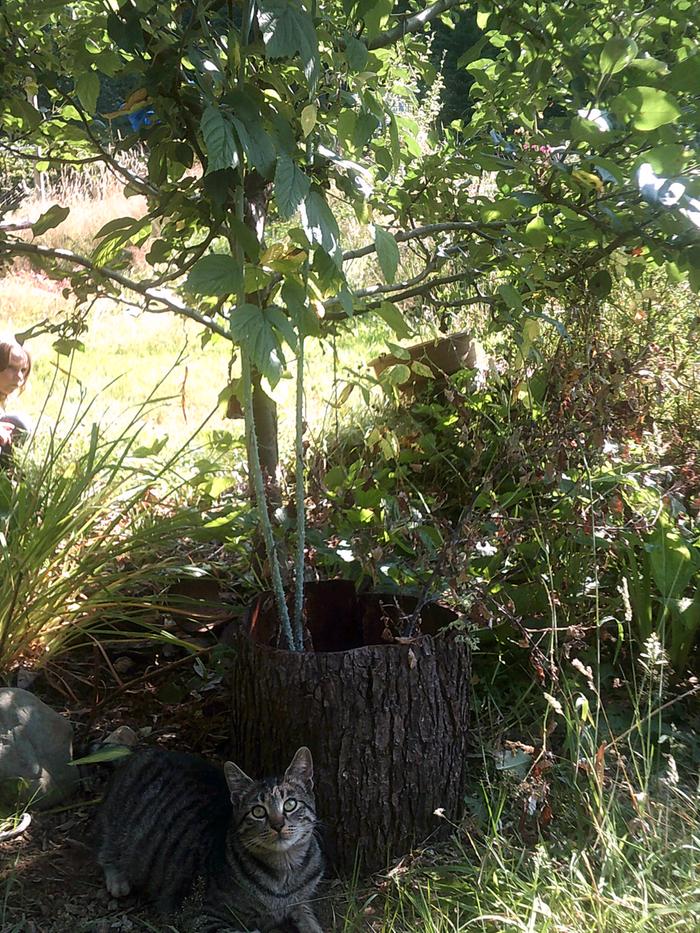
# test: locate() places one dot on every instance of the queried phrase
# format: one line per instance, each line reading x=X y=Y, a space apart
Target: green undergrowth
x=93 y=534
x=583 y=826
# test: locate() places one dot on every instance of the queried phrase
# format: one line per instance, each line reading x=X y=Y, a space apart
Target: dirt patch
x=49 y=880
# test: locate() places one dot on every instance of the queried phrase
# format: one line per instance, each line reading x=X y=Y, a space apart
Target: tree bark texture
x=387 y=723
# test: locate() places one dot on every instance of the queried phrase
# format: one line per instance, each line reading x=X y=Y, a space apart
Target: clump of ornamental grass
x=90 y=537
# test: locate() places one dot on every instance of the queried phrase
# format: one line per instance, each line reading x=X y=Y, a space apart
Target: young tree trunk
x=386 y=724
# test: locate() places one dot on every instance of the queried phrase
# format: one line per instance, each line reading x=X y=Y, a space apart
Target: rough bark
x=386 y=723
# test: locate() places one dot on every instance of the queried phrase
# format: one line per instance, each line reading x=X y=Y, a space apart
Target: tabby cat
x=170 y=818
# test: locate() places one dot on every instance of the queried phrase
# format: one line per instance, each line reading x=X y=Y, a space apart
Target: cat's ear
x=302 y=768
x=237 y=780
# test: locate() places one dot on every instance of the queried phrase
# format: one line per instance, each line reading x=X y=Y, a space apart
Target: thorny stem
x=261 y=501
x=300 y=495
x=246 y=379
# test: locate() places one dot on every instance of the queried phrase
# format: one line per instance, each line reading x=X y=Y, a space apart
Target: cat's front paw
x=116 y=882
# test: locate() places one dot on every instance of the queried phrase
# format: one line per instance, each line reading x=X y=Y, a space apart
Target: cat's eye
x=259 y=812
x=290 y=804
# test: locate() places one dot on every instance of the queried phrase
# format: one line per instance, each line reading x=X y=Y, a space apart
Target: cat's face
x=274 y=816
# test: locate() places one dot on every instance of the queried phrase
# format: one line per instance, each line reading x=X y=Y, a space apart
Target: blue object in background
x=140 y=118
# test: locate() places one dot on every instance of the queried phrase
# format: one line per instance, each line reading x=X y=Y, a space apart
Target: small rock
x=36 y=747
x=123 y=735
x=123 y=665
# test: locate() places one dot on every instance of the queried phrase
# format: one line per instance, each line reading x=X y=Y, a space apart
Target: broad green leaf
x=87 y=87
x=387 y=252
x=252 y=328
x=667 y=160
x=532 y=329
x=320 y=226
x=647 y=107
x=395 y=319
x=291 y=186
x=401 y=353
x=64 y=346
x=420 y=369
x=356 y=54
x=282 y=324
x=288 y=30
x=54 y=216
x=375 y=15
x=216 y=274
x=296 y=301
x=671 y=560
x=219 y=140
x=601 y=284
x=396 y=375
x=617 y=54
x=537 y=233
x=685 y=76
x=650 y=65
x=257 y=145
x=308 y=118
x=511 y=297
x=106 y=754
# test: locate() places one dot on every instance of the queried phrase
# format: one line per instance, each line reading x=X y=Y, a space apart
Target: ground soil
x=49 y=881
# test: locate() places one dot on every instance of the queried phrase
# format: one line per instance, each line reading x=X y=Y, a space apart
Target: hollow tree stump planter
x=386 y=722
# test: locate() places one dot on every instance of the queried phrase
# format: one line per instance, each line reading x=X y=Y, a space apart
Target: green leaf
x=667 y=160
x=420 y=369
x=647 y=107
x=216 y=274
x=671 y=561
x=356 y=54
x=219 y=140
x=320 y=226
x=252 y=328
x=395 y=319
x=375 y=15
x=54 y=216
x=617 y=54
x=87 y=87
x=537 y=233
x=308 y=118
x=650 y=65
x=105 y=754
x=396 y=375
x=291 y=187
x=282 y=324
x=288 y=30
x=387 y=252
x=64 y=346
x=601 y=284
x=511 y=297
x=257 y=145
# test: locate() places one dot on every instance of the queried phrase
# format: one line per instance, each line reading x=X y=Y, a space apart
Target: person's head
x=15 y=366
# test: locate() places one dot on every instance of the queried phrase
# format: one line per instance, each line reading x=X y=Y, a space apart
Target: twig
x=144 y=678
x=149 y=292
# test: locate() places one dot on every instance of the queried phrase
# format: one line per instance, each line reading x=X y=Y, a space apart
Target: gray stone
x=122 y=735
x=36 y=746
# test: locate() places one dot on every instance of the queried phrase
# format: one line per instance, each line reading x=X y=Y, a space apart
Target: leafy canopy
x=552 y=186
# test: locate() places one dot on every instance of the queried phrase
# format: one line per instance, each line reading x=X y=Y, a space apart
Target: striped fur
x=169 y=819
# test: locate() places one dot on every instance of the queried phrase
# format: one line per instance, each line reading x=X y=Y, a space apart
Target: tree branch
x=415 y=23
x=149 y=292
x=423 y=289
x=463 y=226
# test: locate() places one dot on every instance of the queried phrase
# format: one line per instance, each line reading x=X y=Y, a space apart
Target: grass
x=619 y=849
